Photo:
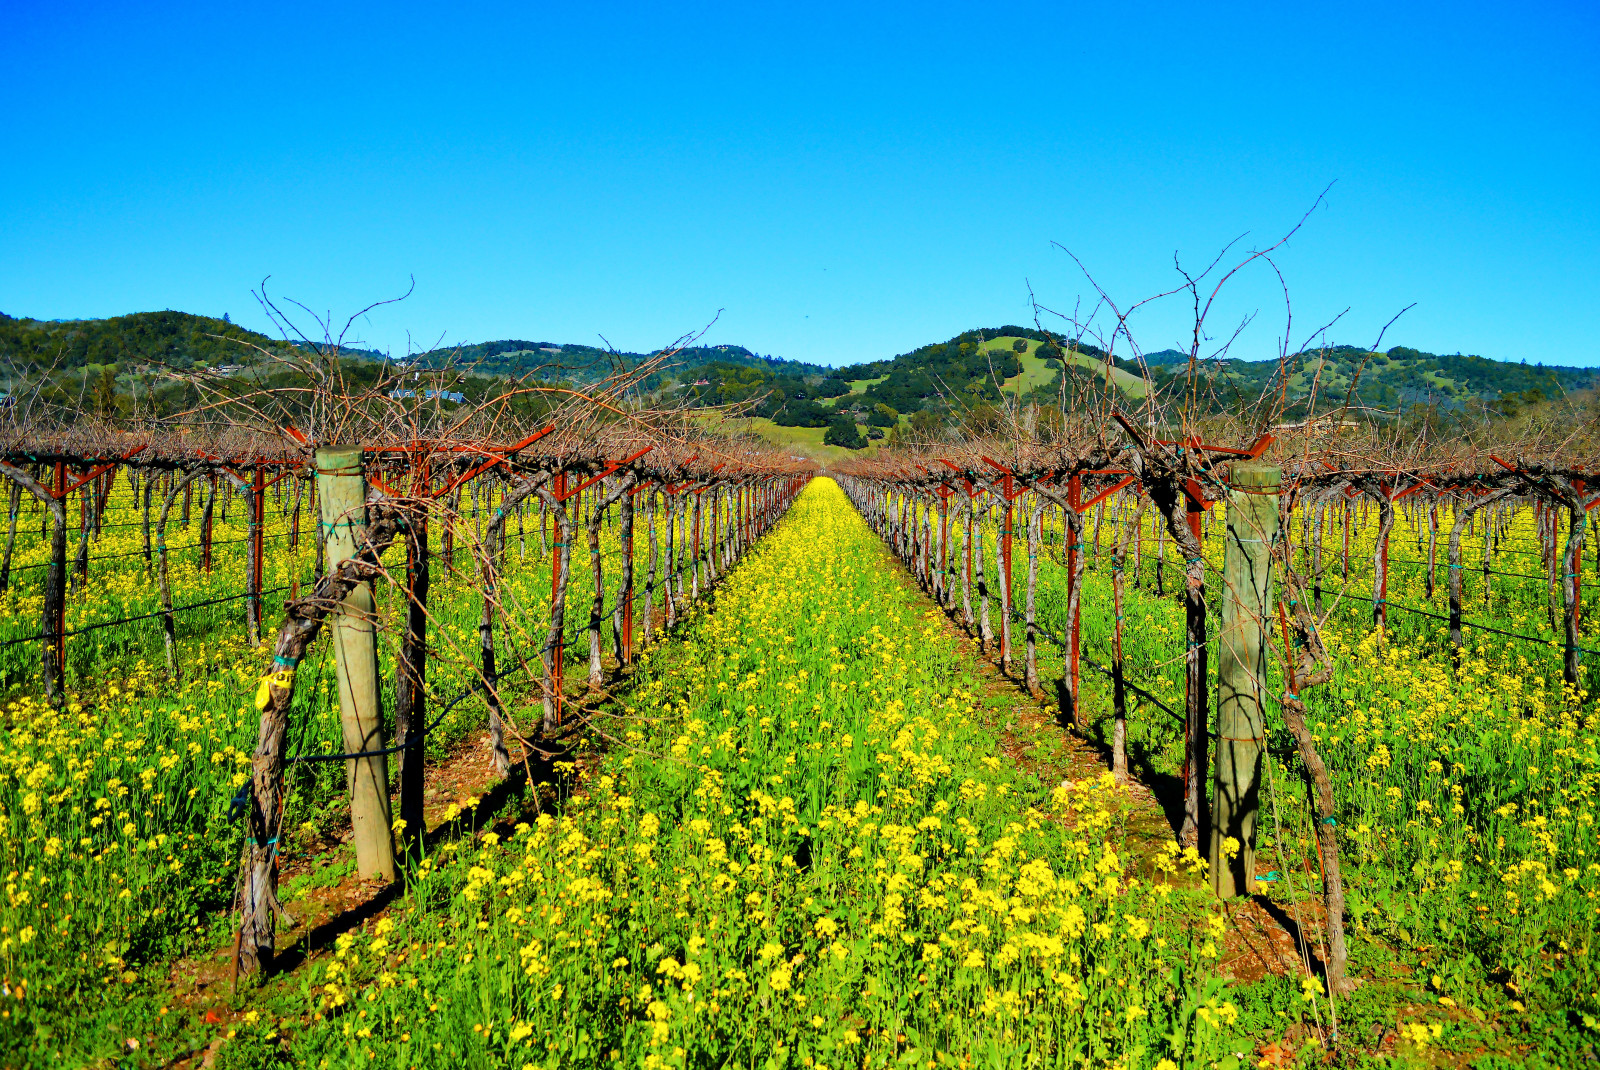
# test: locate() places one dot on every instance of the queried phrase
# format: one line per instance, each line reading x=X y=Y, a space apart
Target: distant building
x=427 y=395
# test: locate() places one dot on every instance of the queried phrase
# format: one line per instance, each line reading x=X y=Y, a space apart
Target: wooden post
x=625 y=533
x=55 y=592
x=205 y=523
x=558 y=605
x=344 y=521
x=1004 y=565
x=966 y=564
x=258 y=518
x=1572 y=583
x=411 y=697
x=944 y=547
x=1241 y=674
x=1380 y=561
x=1075 y=596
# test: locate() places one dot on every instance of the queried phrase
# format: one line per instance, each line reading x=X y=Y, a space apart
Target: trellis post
x=56 y=586
x=343 y=483
x=1075 y=594
x=1004 y=564
x=258 y=517
x=625 y=653
x=557 y=643
x=1252 y=525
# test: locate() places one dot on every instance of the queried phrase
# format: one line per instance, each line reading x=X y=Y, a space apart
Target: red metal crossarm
x=294 y=433
x=1412 y=489
x=1191 y=490
x=1103 y=495
x=997 y=464
x=1255 y=449
x=102 y=470
x=610 y=468
x=1260 y=445
x=277 y=478
x=494 y=459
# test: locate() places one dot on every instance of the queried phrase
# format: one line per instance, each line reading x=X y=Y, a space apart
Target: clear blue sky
x=845 y=181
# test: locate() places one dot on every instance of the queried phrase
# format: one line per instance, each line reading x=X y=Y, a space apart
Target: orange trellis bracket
x=63 y=491
x=609 y=469
x=495 y=457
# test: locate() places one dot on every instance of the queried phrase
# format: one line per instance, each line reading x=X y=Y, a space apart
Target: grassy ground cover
x=1466 y=796
x=802 y=851
x=119 y=850
x=801 y=845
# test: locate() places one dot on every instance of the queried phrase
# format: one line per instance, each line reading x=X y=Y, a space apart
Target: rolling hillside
x=975 y=367
x=792 y=403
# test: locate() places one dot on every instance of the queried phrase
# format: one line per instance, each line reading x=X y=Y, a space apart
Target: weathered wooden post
x=624 y=636
x=343 y=487
x=411 y=695
x=1004 y=564
x=1241 y=673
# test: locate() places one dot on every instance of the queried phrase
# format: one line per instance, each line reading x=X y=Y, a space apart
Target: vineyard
x=583 y=733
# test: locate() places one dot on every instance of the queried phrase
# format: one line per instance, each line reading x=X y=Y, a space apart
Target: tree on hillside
x=843 y=432
x=1020 y=345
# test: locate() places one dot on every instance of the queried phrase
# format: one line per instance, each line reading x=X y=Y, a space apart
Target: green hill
x=105 y=364
x=173 y=339
x=974 y=368
x=1388 y=383
x=587 y=364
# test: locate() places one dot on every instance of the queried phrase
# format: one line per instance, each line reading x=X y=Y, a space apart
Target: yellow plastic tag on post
x=283 y=678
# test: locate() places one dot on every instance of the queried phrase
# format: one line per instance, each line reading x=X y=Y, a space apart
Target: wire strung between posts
x=477 y=686
x=145 y=616
x=1130 y=685
x=1551 y=641
x=189 y=546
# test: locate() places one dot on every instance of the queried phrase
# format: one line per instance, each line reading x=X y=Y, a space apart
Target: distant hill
x=967 y=372
x=1396 y=380
x=587 y=364
x=1166 y=356
x=175 y=339
x=974 y=366
x=179 y=339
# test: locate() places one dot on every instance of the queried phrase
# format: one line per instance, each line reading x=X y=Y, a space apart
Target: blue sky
x=844 y=182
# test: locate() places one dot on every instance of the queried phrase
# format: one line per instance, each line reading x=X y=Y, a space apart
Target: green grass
x=802 y=440
x=806 y=851
x=1036 y=373
x=1465 y=797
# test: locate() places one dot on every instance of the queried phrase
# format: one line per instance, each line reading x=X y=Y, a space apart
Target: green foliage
x=169 y=339
x=803 y=412
x=1383 y=385
x=842 y=431
x=928 y=376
